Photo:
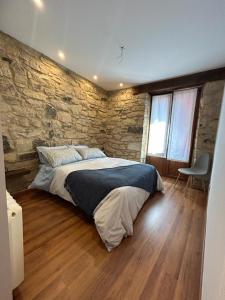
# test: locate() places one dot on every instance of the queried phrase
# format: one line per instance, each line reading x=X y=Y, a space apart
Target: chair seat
x=193 y=171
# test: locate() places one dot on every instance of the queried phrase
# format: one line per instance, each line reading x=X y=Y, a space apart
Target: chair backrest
x=203 y=162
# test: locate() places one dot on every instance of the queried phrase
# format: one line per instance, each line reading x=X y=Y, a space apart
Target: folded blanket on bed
x=89 y=187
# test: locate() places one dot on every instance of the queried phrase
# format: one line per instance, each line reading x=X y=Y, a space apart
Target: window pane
x=181 y=124
x=159 y=125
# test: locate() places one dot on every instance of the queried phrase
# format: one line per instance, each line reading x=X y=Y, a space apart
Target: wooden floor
x=65 y=258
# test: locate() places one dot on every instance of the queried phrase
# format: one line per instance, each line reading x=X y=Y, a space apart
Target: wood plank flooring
x=65 y=258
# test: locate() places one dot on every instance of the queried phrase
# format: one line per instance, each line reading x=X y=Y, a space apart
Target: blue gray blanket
x=88 y=187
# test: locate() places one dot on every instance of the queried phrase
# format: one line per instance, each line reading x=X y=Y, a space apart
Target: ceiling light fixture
x=121 y=56
x=39 y=3
x=61 y=55
x=121 y=84
x=95 y=77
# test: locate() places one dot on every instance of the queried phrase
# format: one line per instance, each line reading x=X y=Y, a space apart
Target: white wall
x=213 y=287
x=5 y=269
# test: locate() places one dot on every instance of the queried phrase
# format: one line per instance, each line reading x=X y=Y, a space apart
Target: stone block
x=23 y=145
x=10 y=157
x=7 y=59
x=134 y=146
x=67 y=99
x=39 y=142
x=34 y=95
x=64 y=117
x=50 y=112
x=27 y=156
x=7 y=146
x=136 y=130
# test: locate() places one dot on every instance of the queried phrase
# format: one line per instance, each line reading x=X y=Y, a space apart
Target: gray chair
x=199 y=169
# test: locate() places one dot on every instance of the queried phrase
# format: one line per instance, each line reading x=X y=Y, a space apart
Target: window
x=159 y=125
x=171 y=125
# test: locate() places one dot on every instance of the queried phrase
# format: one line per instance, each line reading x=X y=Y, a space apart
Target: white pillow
x=41 y=149
x=58 y=157
x=88 y=153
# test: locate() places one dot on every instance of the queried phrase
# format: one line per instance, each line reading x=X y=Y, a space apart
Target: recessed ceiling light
x=61 y=55
x=39 y=3
x=95 y=77
x=121 y=84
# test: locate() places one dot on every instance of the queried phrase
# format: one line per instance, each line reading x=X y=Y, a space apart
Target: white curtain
x=181 y=124
x=158 y=131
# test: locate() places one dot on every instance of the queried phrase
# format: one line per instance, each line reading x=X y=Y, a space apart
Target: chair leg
x=187 y=184
x=178 y=176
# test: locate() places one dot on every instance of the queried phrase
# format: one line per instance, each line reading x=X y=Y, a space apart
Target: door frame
x=193 y=137
x=5 y=263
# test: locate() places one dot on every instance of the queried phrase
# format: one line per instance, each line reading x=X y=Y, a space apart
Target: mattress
x=115 y=214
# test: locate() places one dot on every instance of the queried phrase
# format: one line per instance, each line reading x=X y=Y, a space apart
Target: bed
x=117 y=208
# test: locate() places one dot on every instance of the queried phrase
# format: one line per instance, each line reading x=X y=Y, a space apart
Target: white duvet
x=115 y=214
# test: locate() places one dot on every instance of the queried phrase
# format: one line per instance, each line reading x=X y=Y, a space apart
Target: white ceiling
x=163 y=38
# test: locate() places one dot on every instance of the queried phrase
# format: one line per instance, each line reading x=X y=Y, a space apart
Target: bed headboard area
x=43 y=103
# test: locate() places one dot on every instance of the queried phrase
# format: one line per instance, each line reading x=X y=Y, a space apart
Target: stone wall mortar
x=42 y=102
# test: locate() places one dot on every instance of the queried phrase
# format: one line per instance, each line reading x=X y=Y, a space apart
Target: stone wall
x=43 y=103
x=125 y=119
x=128 y=121
x=209 y=112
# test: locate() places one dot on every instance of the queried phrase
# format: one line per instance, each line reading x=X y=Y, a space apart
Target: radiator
x=15 y=220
